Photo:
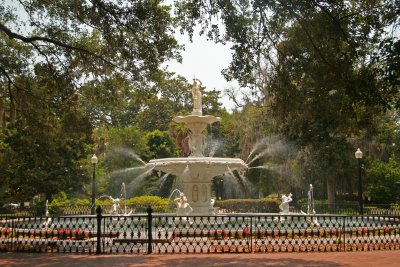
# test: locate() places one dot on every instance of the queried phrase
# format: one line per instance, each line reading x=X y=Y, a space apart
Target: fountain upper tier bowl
x=206 y=119
x=201 y=167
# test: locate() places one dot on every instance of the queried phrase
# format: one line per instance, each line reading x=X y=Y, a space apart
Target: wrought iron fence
x=55 y=211
x=163 y=233
x=351 y=209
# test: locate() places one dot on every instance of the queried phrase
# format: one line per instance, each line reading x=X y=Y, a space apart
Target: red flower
x=246 y=231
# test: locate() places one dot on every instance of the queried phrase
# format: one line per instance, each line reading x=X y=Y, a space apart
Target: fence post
x=251 y=234
x=344 y=232
x=149 y=228
x=99 y=217
x=12 y=234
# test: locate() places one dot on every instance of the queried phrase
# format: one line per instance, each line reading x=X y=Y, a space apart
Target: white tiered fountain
x=197 y=170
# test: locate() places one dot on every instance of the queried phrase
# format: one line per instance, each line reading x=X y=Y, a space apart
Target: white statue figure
x=284 y=206
x=212 y=210
x=115 y=205
x=196 y=94
x=212 y=202
x=183 y=207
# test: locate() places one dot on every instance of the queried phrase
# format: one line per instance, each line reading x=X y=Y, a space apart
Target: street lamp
x=94 y=162
x=359 y=156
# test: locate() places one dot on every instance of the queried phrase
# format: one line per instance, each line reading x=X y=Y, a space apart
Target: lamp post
x=94 y=162
x=359 y=156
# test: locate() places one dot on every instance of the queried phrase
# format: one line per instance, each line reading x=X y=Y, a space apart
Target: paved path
x=333 y=259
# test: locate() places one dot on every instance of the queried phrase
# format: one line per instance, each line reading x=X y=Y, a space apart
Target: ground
x=365 y=259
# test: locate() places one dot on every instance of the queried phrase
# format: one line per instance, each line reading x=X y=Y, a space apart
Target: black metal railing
x=166 y=233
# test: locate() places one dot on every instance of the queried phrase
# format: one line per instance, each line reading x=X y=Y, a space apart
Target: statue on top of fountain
x=182 y=205
x=196 y=94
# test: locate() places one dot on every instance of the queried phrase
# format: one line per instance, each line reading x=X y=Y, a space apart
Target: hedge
x=264 y=205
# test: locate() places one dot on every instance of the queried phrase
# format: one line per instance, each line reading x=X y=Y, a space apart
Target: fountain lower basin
x=200 y=167
x=197 y=174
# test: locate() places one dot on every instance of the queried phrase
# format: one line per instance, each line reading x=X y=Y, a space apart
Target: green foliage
x=140 y=204
x=160 y=145
x=148 y=200
x=91 y=39
x=382 y=181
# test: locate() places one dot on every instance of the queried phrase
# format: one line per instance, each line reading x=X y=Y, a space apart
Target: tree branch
x=32 y=39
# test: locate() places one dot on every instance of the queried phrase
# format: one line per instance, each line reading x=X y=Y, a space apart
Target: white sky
x=205 y=60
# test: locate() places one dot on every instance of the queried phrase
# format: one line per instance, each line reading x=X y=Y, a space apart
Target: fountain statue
x=48 y=221
x=115 y=205
x=196 y=170
x=183 y=207
x=284 y=206
x=196 y=95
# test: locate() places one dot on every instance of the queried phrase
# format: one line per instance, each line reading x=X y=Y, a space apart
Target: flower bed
x=286 y=234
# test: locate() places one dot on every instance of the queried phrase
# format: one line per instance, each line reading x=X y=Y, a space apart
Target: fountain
x=116 y=206
x=197 y=170
x=310 y=207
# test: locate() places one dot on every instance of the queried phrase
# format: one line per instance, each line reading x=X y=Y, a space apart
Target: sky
x=205 y=60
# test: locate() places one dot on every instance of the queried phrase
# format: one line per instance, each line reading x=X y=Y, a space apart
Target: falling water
x=213 y=145
x=248 y=186
x=135 y=183
x=162 y=180
x=47 y=213
x=123 y=195
x=310 y=201
x=232 y=187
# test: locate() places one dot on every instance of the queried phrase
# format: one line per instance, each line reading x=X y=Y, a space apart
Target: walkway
x=333 y=259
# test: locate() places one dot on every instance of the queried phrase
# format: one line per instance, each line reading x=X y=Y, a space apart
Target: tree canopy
x=83 y=77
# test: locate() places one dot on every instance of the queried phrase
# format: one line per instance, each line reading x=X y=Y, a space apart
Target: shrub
x=158 y=204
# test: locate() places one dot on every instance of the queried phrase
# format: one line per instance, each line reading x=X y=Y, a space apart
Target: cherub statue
x=115 y=204
x=183 y=207
x=284 y=206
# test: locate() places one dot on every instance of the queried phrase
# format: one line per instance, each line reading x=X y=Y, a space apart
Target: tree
x=92 y=38
x=382 y=181
x=44 y=147
x=319 y=57
x=56 y=56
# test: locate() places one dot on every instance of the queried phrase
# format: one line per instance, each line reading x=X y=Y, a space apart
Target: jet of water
x=126 y=170
x=173 y=191
x=257 y=146
x=138 y=179
x=128 y=152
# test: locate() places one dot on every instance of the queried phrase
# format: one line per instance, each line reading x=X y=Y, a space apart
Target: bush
x=264 y=205
x=158 y=204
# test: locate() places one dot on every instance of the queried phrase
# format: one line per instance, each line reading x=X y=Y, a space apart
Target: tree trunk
x=2 y=109
x=2 y=123
x=330 y=186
